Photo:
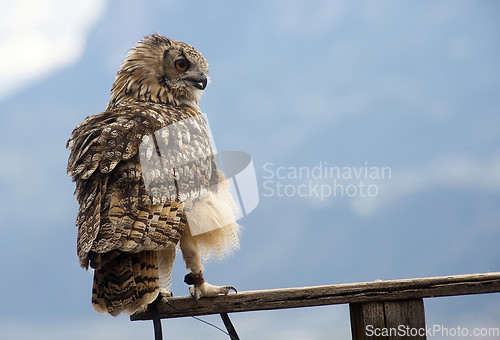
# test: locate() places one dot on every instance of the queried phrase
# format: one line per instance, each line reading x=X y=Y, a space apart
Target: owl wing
x=134 y=167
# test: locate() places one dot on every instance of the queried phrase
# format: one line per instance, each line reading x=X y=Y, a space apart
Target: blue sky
x=413 y=86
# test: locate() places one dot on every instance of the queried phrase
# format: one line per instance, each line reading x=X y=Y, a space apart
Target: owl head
x=161 y=70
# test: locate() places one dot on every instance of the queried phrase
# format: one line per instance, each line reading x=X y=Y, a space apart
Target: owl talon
x=207 y=290
x=164 y=294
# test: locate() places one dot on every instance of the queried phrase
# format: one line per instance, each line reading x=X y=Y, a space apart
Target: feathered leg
x=166 y=259
x=191 y=255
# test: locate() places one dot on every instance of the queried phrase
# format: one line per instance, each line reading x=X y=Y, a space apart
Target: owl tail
x=126 y=283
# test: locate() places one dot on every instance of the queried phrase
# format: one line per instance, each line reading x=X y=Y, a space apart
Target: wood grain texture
x=388 y=320
x=363 y=314
x=376 y=291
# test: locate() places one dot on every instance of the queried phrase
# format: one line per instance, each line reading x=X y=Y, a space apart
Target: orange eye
x=182 y=64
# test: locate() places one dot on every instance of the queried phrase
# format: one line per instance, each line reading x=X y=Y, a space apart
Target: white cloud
x=40 y=36
x=447 y=172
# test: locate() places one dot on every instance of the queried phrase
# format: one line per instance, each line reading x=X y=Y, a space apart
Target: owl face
x=185 y=69
x=161 y=70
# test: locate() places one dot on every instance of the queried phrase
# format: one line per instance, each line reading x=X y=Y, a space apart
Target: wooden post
x=388 y=320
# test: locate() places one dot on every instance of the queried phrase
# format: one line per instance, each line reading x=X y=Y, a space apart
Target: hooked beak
x=200 y=81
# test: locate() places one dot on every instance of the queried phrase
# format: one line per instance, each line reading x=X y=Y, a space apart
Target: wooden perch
x=352 y=293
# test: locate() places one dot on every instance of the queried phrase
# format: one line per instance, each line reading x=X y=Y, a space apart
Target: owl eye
x=182 y=64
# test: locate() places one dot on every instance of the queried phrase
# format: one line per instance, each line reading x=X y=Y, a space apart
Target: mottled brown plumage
x=137 y=166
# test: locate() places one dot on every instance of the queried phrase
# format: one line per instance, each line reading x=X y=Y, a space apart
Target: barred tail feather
x=127 y=283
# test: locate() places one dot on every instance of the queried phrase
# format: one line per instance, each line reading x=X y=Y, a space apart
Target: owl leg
x=166 y=259
x=191 y=255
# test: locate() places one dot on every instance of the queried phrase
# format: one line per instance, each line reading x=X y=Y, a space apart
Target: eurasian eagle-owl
x=146 y=179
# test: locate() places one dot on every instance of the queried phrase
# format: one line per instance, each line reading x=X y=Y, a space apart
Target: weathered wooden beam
x=388 y=320
x=327 y=295
x=363 y=314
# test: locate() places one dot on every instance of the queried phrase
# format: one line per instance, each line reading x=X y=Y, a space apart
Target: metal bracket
x=159 y=334
x=229 y=326
x=156 y=322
